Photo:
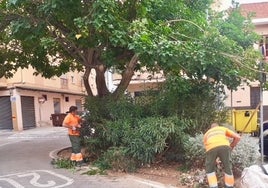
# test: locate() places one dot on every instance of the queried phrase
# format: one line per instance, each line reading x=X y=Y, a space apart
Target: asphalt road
x=25 y=163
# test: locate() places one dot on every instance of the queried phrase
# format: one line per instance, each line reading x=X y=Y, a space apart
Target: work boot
x=80 y=163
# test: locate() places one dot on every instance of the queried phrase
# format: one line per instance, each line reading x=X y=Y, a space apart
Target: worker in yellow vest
x=217 y=145
x=73 y=122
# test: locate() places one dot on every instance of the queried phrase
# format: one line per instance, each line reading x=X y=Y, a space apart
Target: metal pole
x=261 y=121
x=262 y=80
x=261 y=109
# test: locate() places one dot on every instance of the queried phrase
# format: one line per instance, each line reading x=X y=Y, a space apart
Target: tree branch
x=86 y=81
x=126 y=76
x=183 y=20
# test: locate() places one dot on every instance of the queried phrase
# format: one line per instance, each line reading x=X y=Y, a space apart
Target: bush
x=154 y=137
x=148 y=138
x=194 y=151
x=244 y=154
x=143 y=139
x=149 y=127
x=107 y=109
x=117 y=158
x=200 y=102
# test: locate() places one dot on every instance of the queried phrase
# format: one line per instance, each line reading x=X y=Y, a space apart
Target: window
x=72 y=79
x=78 y=104
x=56 y=102
x=64 y=81
x=254 y=96
x=264 y=46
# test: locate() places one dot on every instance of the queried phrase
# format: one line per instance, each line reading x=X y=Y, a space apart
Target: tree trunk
x=86 y=81
x=89 y=59
x=100 y=81
x=126 y=77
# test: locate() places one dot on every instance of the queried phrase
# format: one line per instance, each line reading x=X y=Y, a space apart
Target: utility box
x=57 y=119
x=245 y=121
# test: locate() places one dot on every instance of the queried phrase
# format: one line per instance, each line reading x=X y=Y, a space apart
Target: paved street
x=25 y=163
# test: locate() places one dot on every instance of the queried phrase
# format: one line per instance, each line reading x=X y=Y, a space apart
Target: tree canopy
x=179 y=37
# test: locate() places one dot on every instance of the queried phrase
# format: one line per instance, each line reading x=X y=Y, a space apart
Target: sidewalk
x=39 y=132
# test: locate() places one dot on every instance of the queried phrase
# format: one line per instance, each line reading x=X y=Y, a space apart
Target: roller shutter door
x=5 y=113
x=28 y=112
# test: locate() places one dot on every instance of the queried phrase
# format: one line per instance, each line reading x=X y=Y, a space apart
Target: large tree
x=176 y=36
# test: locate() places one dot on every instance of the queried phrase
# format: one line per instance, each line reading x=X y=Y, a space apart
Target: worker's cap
x=72 y=109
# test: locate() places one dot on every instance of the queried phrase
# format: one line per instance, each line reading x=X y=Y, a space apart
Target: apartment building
x=141 y=82
x=28 y=101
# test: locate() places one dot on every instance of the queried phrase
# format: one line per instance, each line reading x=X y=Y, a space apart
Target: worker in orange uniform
x=217 y=145
x=73 y=122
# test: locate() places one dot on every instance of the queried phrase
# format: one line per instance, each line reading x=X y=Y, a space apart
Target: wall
x=238 y=98
x=44 y=110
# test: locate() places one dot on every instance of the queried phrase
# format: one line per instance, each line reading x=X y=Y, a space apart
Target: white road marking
x=35 y=178
x=11 y=182
x=37 y=175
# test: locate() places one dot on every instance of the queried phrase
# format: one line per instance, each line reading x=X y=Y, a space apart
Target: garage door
x=5 y=113
x=28 y=112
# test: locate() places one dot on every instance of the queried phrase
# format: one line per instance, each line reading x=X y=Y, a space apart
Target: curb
x=152 y=184
x=54 y=154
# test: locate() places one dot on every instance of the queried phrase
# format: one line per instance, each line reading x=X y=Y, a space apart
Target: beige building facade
x=29 y=101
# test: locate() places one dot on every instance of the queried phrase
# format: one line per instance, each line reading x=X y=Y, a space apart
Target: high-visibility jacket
x=217 y=136
x=72 y=120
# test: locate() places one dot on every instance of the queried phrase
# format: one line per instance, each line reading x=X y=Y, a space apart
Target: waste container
x=245 y=121
x=57 y=119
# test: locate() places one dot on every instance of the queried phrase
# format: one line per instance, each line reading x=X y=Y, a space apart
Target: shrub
x=148 y=138
x=194 y=151
x=148 y=127
x=117 y=158
x=107 y=109
x=244 y=154
x=199 y=102
x=98 y=143
x=143 y=139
